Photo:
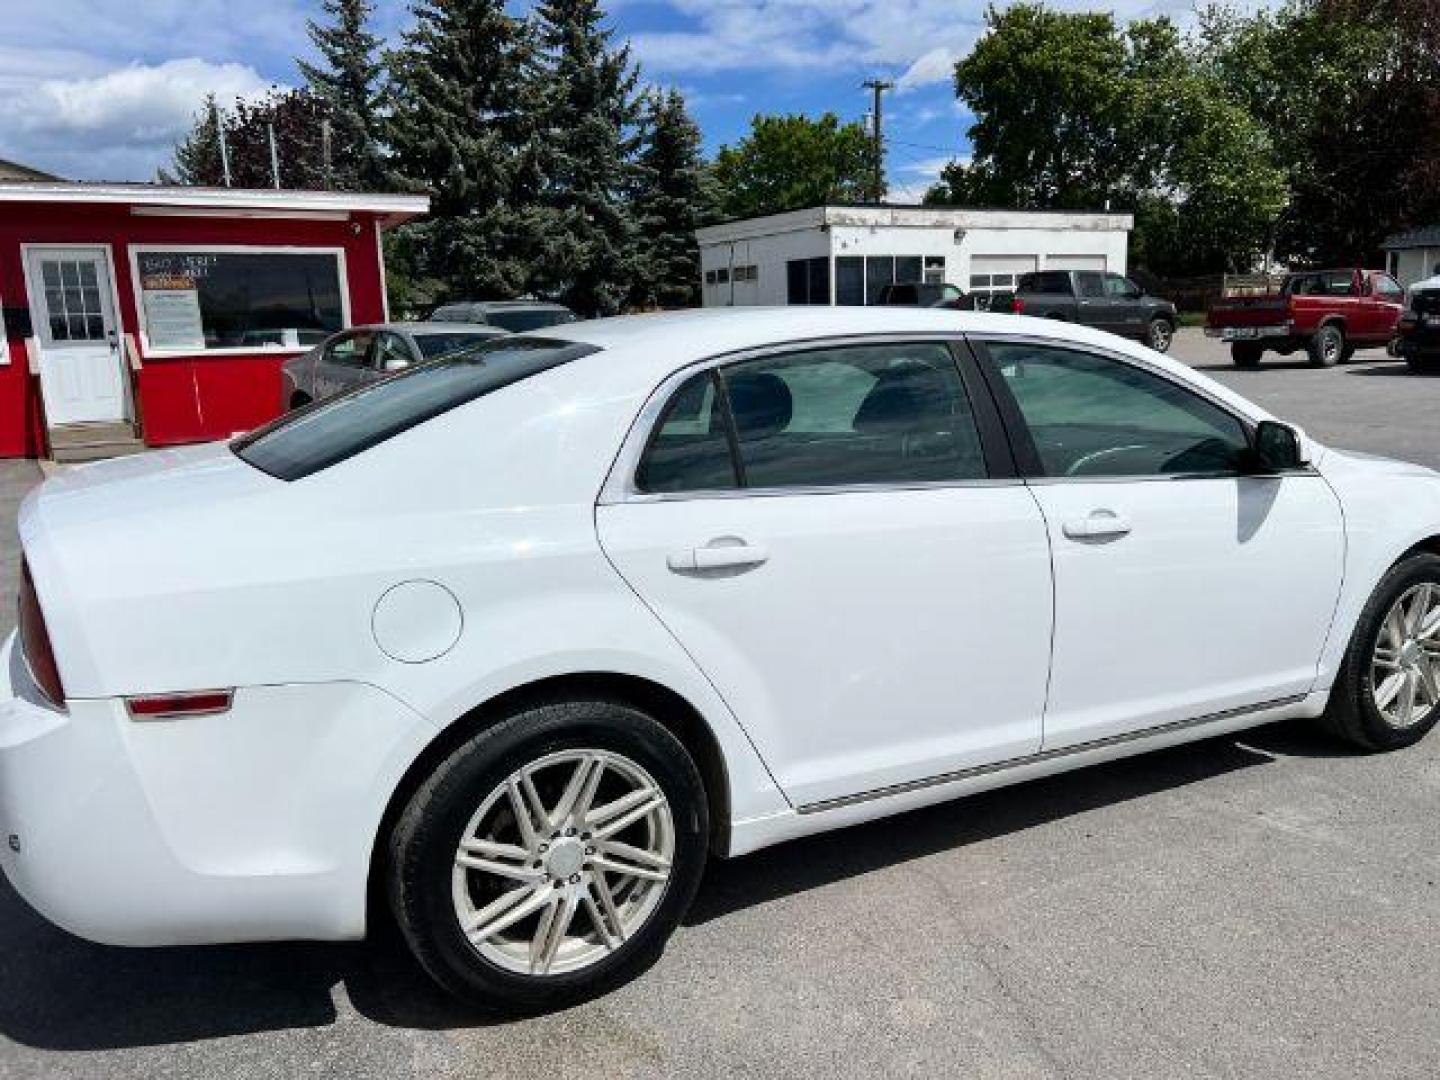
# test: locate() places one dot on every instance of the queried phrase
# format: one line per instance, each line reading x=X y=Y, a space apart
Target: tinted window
x=850 y=280
x=1121 y=287
x=433 y=345
x=1325 y=283
x=690 y=450
x=1089 y=284
x=1093 y=416
x=1052 y=281
x=855 y=415
x=521 y=319
x=1387 y=288
x=314 y=438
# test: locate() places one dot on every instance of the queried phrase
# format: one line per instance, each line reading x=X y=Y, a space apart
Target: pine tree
x=590 y=108
x=670 y=202
x=196 y=158
x=460 y=128
x=347 y=83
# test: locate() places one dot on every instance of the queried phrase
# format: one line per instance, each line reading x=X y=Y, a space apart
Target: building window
x=747 y=273
x=709 y=277
x=850 y=281
x=238 y=299
x=934 y=269
x=807 y=281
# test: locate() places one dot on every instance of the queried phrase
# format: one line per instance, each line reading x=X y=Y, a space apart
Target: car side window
x=1121 y=288
x=1091 y=415
x=690 y=447
x=352 y=349
x=391 y=353
x=1388 y=289
x=1089 y=284
x=864 y=414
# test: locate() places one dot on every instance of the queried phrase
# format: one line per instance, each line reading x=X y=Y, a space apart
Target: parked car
x=1105 y=301
x=523 y=635
x=364 y=353
x=513 y=315
x=1327 y=313
x=1418 y=339
x=920 y=294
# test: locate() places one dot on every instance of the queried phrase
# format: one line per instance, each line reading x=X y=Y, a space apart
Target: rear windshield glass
x=330 y=431
x=1052 y=281
x=433 y=345
x=519 y=320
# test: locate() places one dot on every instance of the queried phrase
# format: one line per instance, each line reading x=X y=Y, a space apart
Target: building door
x=72 y=304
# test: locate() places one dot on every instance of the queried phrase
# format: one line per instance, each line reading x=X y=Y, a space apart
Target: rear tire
x=1366 y=706
x=1327 y=346
x=615 y=926
x=1246 y=354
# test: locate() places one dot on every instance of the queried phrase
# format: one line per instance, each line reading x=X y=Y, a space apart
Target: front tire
x=549 y=857
x=1159 y=334
x=1327 y=347
x=1387 y=694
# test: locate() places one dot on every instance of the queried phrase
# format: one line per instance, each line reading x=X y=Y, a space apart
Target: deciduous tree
x=791 y=162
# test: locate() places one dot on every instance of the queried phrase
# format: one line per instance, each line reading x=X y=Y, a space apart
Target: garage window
x=195 y=299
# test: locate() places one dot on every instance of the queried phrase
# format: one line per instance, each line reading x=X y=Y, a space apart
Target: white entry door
x=81 y=375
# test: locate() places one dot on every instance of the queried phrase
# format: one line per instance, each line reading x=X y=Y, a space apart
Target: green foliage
x=1074 y=112
x=294 y=115
x=348 y=82
x=791 y=162
x=460 y=127
x=669 y=203
x=588 y=108
x=1349 y=92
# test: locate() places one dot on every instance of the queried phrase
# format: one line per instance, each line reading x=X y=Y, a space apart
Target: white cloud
x=937 y=65
x=122 y=119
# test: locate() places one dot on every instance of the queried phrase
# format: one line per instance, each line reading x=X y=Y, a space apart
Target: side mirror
x=1277 y=448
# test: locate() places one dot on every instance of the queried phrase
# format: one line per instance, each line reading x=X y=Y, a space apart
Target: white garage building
x=1414 y=255
x=846 y=254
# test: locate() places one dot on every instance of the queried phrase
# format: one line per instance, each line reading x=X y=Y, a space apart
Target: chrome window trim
x=620 y=486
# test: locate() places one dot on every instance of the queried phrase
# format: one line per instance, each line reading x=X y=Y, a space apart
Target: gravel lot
x=1268 y=905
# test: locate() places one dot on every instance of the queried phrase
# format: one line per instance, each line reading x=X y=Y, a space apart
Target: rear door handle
x=724 y=553
x=1097 y=525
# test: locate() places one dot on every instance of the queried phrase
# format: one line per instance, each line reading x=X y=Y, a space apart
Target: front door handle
x=727 y=552
x=1097 y=525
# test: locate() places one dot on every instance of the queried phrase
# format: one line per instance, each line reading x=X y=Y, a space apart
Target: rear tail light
x=173 y=706
x=1017 y=305
x=35 y=641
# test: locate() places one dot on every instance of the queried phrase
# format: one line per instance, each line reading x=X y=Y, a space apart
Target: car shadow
x=65 y=994
x=1393 y=367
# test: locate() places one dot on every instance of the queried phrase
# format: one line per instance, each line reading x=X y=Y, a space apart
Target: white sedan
x=521 y=636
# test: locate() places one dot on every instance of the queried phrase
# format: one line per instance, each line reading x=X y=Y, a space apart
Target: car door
x=1389 y=304
x=343 y=363
x=1184 y=587
x=1093 y=306
x=852 y=564
x=1128 y=313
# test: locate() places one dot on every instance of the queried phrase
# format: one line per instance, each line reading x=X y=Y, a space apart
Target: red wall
x=181 y=399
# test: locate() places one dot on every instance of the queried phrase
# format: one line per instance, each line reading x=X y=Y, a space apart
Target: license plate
x=1236 y=332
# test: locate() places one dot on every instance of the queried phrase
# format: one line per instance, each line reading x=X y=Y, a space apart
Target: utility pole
x=878 y=87
x=224 y=150
x=274 y=155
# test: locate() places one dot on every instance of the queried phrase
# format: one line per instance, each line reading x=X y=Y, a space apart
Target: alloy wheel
x=1160 y=335
x=563 y=862
x=1405 y=666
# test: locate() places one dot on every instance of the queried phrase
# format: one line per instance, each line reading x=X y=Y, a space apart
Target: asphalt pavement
x=1267 y=905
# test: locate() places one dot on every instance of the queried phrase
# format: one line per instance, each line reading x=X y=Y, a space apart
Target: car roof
x=654 y=346
x=418 y=328
x=505 y=305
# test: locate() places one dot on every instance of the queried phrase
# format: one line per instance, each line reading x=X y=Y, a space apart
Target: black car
x=1418 y=333
x=1105 y=301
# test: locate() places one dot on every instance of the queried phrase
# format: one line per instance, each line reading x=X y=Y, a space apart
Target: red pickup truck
x=1328 y=313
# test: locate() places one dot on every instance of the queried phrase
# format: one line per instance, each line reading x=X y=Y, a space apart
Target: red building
x=139 y=314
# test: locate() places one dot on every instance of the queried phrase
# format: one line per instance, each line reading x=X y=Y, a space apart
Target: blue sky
x=100 y=89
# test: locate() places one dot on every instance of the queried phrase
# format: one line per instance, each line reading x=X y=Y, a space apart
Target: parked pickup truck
x=1328 y=313
x=1105 y=301
x=1419 y=329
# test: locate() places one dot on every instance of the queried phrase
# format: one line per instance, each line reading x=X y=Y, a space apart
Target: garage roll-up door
x=997 y=273
x=1075 y=262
